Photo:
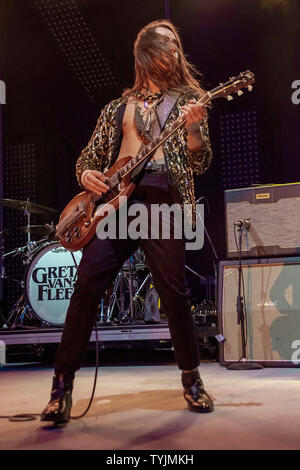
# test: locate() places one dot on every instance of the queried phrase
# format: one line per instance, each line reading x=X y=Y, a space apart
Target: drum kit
x=50 y=272
x=131 y=297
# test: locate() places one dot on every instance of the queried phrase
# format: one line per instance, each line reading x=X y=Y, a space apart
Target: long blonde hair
x=155 y=59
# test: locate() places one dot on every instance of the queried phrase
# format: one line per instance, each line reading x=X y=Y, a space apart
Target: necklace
x=148 y=97
x=144 y=117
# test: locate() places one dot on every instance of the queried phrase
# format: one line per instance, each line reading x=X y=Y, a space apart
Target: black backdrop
x=62 y=60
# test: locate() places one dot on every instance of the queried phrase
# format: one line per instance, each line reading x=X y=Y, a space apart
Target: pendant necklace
x=144 y=118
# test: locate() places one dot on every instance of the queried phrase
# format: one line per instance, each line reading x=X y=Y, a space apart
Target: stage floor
x=142 y=407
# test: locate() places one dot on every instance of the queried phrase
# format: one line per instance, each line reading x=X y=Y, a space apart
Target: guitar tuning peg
x=240 y=92
x=229 y=98
x=250 y=87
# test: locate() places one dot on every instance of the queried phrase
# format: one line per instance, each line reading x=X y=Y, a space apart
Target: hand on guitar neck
x=94 y=181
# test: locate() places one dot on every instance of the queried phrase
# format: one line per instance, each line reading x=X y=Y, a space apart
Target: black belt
x=153 y=166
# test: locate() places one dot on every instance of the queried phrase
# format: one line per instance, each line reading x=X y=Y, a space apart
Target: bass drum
x=49 y=282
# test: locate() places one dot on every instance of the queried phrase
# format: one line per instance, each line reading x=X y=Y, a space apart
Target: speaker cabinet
x=273 y=212
x=271 y=294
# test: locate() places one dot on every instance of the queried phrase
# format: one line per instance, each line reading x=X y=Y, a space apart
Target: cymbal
x=37 y=229
x=27 y=205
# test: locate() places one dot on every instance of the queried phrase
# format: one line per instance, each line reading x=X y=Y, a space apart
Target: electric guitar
x=78 y=222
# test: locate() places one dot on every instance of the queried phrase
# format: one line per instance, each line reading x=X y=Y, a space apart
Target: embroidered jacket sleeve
x=199 y=161
x=94 y=156
x=180 y=157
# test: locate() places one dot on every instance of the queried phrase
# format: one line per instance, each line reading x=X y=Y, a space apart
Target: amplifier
x=271 y=295
x=273 y=212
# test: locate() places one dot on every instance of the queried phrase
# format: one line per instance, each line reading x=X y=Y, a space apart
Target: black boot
x=60 y=404
x=194 y=393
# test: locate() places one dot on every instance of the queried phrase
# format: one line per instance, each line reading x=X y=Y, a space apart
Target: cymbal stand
x=27 y=214
x=135 y=299
x=131 y=313
x=122 y=279
x=116 y=300
x=130 y=286
x=126 y=279
x=2 y=276
x=17 y=312
x=20 y=309
x=101 y=308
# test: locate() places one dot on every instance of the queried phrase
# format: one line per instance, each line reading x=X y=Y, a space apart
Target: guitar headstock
x=233 y=85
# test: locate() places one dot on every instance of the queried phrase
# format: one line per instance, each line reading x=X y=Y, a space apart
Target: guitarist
x=164 y=88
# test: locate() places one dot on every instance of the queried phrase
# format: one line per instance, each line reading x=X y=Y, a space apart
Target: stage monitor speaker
x=273 y=213
x=271 y=294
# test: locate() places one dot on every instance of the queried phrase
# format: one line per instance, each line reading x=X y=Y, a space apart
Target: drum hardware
x=116 y=300
x=22 y=310
x=136 y=305
x=3 y=320
x=49 y=277
x=26 y=251
x=127 y=281
x=130 y=286
x=17 y=313
x=101 y=315
x=38 y=229
x=27 y=206
x=14 y=312
x=152 y=311
x=4 y=277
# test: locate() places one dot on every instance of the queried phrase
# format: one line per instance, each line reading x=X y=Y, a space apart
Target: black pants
x=100 y=264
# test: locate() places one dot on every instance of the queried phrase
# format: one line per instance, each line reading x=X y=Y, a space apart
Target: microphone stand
x=243 y=364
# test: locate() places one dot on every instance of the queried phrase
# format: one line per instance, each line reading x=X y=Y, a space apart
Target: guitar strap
x=164 y=109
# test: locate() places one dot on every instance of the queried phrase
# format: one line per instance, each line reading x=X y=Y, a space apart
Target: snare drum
x=49 y=282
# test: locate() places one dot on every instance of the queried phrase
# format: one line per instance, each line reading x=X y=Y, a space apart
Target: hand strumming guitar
x=94 y=181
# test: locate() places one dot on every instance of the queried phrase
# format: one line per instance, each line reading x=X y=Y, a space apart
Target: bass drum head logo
x=50 y=282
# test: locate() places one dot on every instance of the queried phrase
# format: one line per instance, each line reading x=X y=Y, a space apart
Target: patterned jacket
x=104 y=145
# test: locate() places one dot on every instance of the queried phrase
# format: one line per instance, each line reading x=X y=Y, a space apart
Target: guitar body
x=78 y=221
